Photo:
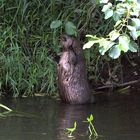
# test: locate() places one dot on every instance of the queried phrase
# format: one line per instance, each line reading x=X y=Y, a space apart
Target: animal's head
x=67 y=42
x=71 y=43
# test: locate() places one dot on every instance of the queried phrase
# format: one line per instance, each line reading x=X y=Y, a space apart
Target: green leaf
x=69 y=129
x=93 y=40
x=104 y=1
x=93 y=37
x=124 y=43
x=105 y=45
x=134 y=34
x=138 y=33
x=114 y=35
x=107 y=7
x=114 y=52
x=131 y=28
x=55 y=24
x=121 y=0
x=116 y=16
x=102 y=50
x=121 y=9
x=133 y=47
x=88 y=119
x=108 y=13
x=73 y=128
x=91 y=117
x=75 y=125
x=89 y=44
x=70 y=28
x=136 y=23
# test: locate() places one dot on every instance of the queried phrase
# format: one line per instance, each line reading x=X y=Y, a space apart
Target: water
x=115 y=118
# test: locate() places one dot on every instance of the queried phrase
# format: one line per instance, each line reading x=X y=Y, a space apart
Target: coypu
x=72 y=78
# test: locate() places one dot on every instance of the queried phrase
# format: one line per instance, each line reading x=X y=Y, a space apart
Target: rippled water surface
x=115 y=118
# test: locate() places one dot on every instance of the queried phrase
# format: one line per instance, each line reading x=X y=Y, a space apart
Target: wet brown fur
x=72 y=78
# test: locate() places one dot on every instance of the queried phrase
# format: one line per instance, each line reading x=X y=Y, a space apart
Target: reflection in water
x=68 y=114
x=118 y=118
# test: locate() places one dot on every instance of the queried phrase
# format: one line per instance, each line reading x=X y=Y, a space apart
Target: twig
x=118 y=85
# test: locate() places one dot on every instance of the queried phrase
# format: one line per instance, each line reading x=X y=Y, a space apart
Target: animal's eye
x=64 y=39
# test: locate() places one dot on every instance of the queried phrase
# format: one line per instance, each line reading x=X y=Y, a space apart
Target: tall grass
x=28 y=47
x=25 y=41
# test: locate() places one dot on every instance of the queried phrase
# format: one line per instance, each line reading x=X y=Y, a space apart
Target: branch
x=118 y=85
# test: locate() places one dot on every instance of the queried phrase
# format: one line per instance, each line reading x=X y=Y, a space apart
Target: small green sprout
x=91 y=127
x=71 y=130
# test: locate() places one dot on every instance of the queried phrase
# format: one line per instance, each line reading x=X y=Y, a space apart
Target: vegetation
x=91 y=129
x=126 y=14
x=71 y=130
x=6 y=111
x=29 y=42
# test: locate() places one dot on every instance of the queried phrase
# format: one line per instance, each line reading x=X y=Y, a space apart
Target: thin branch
x=118 y=85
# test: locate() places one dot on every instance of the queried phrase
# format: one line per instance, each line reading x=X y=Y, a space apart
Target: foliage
x=5 y=107
x=29 y=42
x=26 y=62
x=91 y=128
x=69 y=27
x=71 y=130
x=5 y=113
x=126 y=14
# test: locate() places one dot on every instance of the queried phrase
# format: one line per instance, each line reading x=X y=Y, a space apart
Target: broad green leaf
x=133 y=47
x=104 y=1
x=108 y=13
x=114 y=52
x=121 y=9
x=55 y=24
x=124 y=43
x=105 y=45
x=70 y=28
x=138 y=33
x=132 y=1
x=134 y=34
x=131 y=28
x=136 y=23
x=107 y=7
x=90 y=43
x=116 y=16
x=114 y=35
x=121 y=0
x=135 y=12
x=102 y=50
